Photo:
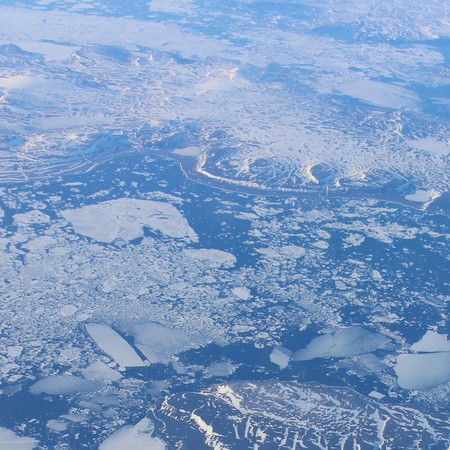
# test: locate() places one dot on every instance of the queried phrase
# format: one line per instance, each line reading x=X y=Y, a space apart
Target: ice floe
x=11 y=441
x=213 y=257
x=14 y=350
x=285 y=251
x=422 y=371
x=349 y=342
x=31 y=217
x=158 y=342
x=100 y=371
x=321 y=244
x=371 y=362
x=68 y=310
x=242 y=293
x=280 y=356
x=376 y=394
x=422 y=196
x=220 y=369
x=114 y=345
x=126 y=218
x=137 y=437
x=432 y=342
x=64 y=385
x=57 y=425
x=39 y=243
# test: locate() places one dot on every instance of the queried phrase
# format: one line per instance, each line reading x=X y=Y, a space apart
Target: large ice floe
x=427 y=369
x=211 y=257
x=11 y=441
x=137 y=437
x=114 y=345
x=64 y=385
x=349 y=342
x=126 y=218
x=423 y=371
x=160 y=343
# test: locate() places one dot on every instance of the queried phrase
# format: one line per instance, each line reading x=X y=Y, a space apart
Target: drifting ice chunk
x=371 y=362
x=215 y=258
x=158 y=342
x=137 y=437
x=432 y=342
x=31 y=217
x=68 y=310
x=284 y=252
x=422 y=371
x=377 y=395
x=114 y=345
x=64 y=385
x=100 y=371
x=126 y=218
x=421 y=196
x=280 y=356
x=57 y=425
x=40 y=243
x=321 y=244
x=350 y=342
x=242 y=293
x=10 y=441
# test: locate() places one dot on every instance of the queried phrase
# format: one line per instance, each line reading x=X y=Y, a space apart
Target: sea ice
x=57 y=425
x=39 y=243
x=31 y=217
x=215 y=258
x=371 y=362
x=11 y=441
x=280 y=356
x=14 y=351
x=68 y=310
x=137 y=437
x=158 y=342
x=114 y=345
x=349 y=342
x=100 y=371
x=376 y=394
x=125 y=218
x=422 y=371
x=432 y=342
x=321 y=244
x=242 y=293
x=422 y=196
x=286 y=251
x=220 y=369
x=64 y=385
